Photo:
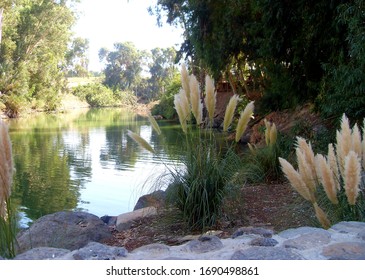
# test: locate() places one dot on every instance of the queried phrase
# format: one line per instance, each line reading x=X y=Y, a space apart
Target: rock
x=68 y=230
x=295 y=232
x=308 y=240
x=345 y=251
x=266 y=253
x=109 y=220
x=347 y=227
x=252 y=230
x=152 y=251
x=42 y=253
x=203 y=244
x=156 y=199
x=263 y=241
x=96 y=251
x=125 y=221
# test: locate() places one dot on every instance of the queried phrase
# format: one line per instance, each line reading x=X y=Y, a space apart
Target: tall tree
x=123 y=66
x=76 y=58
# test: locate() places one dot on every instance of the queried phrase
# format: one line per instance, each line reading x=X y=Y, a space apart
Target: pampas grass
x=154 y=124
x=243 y=120
x=196 y=104
x=210 y=98
x=139 y=140
x=182 y=108
x=339 y=174
x=229 y=114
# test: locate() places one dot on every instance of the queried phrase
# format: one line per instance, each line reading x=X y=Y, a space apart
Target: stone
x=345 y=251
x=203 y=244
x=42 y=253
x=361 y=235
x=109 y=220
x=308 y=240
x=266 y=253
x=263 y=241
x=155 y=199
x=66 y=229
x=152 y=251
x=97 y=251
x=252 y=230
x=126 y=220
x=347 y=227
x=295 y=232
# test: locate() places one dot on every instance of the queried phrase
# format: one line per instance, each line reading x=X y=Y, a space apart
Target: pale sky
x=105 y=22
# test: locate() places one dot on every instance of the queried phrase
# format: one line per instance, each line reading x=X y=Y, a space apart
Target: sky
x=105 y=22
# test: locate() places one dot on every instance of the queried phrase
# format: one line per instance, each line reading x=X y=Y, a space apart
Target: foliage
x=340 y=173
x=98 y=95
x=34 y=42
x=76 y=59
x=165 y=107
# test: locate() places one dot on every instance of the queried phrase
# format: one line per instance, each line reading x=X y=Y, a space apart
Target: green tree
x=123 y=66
x=35 y=38
x=76 y=58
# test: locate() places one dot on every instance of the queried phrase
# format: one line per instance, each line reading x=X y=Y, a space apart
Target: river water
x=84 y=160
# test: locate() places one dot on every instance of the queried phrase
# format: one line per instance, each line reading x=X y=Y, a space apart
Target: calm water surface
x=84 y=160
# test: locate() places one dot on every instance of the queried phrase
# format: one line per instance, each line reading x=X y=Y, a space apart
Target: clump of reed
x=333 y=180
x=7 y=218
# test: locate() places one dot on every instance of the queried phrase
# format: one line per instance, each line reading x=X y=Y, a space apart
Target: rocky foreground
x=80 y=236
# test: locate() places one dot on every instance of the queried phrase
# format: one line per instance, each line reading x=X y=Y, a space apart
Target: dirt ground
x=277 y=207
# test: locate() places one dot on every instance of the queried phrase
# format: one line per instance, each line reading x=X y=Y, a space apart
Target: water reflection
x=84 y=160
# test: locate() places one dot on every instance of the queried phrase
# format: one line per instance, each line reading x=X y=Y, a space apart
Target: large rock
x=126 y=220
x=68 y=230
x=156 y=199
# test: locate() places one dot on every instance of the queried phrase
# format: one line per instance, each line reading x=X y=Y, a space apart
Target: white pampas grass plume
x=325 y=175
x=6 y=166
x=332 y=161
x=154 y=123
x=273 y=134
x=185 y=80
x=182 y=108
x=229 y=114
x=140 y=141
x=321 y=216
x=344 y=142
x=352 y=177
x=244 y=119
x=356 y=140
x=296 y=180
x=305 y=170
x=210 y=97
x=267 y=131
x=307 y=150
x=196 y=104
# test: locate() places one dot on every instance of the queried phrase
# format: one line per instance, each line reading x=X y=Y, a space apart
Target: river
x=84 y=160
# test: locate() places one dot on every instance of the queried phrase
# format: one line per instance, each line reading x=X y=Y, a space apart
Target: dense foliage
x=35 y=36
x=296 y=51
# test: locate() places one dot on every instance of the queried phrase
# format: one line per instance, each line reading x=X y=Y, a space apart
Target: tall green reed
x=7 y=216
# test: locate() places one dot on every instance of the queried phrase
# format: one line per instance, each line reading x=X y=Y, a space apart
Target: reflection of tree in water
x=42 y=182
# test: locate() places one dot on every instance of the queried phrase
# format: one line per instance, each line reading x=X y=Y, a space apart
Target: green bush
x=96 y=95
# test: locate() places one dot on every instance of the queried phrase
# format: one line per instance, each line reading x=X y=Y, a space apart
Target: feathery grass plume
x=6 y=165
x=321 y=216
x=140 y=141
x=210 y=97
x=308 y=153
x=326 y=177
x=182 y=108
x=185 y=80
x=356 y=140
x=273 y=134
x=196 y=104
x=296 y=180
x=305 y=170
x=229 y=114
x=244 y=119
x=154 y=123
x=352 y=177
x=267 y=132
x=344 y=142
x=252 y=148
x=332 y=161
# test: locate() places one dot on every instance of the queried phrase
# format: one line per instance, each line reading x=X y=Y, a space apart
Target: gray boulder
x=68 y=230
x=42 y=253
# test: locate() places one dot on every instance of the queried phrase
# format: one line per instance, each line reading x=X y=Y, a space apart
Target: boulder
x=156 y=199
x=126 y=220
x=42 y=253
x=68 y=230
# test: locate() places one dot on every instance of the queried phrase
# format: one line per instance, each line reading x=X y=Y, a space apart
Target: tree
x=35 y=38
x=123 y=66
x=76 y=58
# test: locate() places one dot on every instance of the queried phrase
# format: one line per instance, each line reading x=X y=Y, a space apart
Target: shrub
x=96 y=95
